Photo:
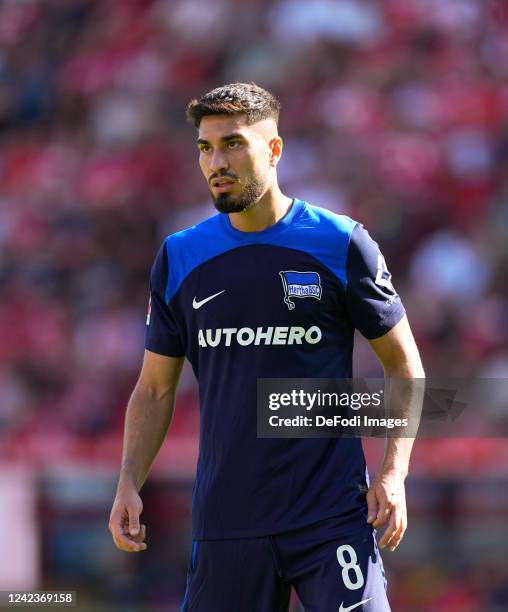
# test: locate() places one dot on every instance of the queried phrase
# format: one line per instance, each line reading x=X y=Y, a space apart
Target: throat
x=260 y=216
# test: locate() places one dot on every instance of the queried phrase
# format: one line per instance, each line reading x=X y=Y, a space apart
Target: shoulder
x=188 y=249
x=330 y=232
x=327 y=222
x=340 y=230
x=325 y=235
x=194 y=235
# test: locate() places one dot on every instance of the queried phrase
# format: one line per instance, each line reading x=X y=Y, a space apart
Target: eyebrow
x=229 y=137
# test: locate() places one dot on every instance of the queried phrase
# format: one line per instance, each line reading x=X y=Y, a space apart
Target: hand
x=386 y=502
x=124 y=525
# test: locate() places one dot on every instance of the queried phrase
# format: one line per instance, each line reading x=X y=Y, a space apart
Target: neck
x=266 y=212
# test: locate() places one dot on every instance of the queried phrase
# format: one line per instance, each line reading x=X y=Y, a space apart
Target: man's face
x=236 y=160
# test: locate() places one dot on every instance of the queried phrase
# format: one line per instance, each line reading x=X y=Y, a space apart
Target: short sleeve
x=162 y=334
x=372 y=302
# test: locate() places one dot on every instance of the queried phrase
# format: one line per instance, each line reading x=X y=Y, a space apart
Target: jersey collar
x=293 y=211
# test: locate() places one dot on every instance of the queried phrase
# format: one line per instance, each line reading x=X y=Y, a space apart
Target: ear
x=275 y=150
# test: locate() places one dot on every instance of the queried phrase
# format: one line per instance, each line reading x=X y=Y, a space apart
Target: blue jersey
x=280 y=303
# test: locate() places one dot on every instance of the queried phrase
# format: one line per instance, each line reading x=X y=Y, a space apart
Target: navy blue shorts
x=330 y=571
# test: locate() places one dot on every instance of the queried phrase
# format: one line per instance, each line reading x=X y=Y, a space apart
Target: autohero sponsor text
x=261 y=336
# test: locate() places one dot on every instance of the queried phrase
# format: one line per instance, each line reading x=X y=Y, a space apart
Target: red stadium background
x=395 y=112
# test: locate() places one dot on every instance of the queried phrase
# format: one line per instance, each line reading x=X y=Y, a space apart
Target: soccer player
x=234 y=295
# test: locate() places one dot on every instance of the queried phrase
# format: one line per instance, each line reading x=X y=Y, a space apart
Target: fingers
x=395 y=530
x=122 y=529
x=396 y=539
x=372 y=505
x=399 y=534
x=391 y=529
x=127 y=544
x=141 y=535
x=386 y=502
x=379 y=507
x=133 y=521
x=384 y=510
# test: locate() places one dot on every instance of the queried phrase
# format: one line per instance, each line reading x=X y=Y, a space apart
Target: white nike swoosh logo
x=196 y=304
x=343 y=609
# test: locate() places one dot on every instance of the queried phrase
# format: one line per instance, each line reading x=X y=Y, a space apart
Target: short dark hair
x=235 y=99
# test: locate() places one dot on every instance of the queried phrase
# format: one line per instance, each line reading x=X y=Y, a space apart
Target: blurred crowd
x=395 y=112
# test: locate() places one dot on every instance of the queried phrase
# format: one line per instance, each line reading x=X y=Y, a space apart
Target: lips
x=222 y=184
x=223 y=187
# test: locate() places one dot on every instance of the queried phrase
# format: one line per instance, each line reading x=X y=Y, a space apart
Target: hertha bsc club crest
x=300 y=285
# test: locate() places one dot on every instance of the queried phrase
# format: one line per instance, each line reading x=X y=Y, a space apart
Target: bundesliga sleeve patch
x=383 y=277
x=300 y=285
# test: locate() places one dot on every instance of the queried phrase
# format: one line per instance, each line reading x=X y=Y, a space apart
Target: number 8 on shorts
x=350 y=567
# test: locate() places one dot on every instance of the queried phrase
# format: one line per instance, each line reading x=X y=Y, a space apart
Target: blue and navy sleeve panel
x=162 y=333
x=372 y=302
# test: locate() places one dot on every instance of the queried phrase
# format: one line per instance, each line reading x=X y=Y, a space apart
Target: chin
x=250 y=194
x=227 y=204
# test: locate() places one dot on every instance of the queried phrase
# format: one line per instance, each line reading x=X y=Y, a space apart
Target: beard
x=252 y=192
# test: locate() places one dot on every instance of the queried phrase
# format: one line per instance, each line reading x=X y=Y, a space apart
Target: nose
x=218 y=162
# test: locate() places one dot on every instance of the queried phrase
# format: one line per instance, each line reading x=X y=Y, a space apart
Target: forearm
x=404 y=389
x=147 y=420
x=397 y=455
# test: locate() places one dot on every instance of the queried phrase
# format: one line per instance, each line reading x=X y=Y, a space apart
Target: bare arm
x=148 y=416
x=404 y=372
x=149 y=413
